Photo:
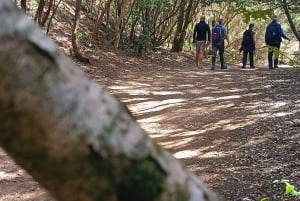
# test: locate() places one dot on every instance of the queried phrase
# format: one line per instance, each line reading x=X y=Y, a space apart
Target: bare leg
x=197 y=58
x=201 y=55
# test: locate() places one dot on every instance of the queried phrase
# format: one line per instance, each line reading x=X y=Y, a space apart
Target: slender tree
x=187 y=9
x=23 y=5
x=55 y=7
x=121 y=8
x=39 y=12
x=99 y=18
x=75 y=34
x=46 y=15
x=290 y=20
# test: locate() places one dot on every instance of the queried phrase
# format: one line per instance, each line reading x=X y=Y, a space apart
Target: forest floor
x=237 y=129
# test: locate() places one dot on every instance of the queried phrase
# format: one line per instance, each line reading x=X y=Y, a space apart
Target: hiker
x=219 y=34
x=273 y=38
x=201 y=38
x=248 y=46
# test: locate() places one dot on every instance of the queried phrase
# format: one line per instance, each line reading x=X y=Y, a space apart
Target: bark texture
x=75 y=34
x=23 y=5
x=290 y=20
x=75 y=139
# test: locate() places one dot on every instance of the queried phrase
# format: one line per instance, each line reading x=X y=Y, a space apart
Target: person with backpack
x=273 y=38
x=248 y=46
x=201 y=37
x=219 y=34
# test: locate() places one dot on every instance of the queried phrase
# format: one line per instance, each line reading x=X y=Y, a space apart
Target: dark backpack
x=217 y=34
x=272 y=34
x=247 y=37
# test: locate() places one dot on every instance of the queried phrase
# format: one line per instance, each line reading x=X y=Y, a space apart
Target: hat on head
x=220 y=21
x=275 y=17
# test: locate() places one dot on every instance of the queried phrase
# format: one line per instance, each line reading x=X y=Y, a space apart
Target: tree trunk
x=290 y=20
x=23 y=5
x=39 y=12
x=72 y=136
x=75 y=37
x=177 y=42
x=47 y=13
x=184 y=18
x=91 y=5
x=52 y=15
x=121 y=13
x=99 y=19
x=142 y=41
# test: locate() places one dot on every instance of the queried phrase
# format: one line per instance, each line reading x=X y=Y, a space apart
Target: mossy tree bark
x=75 y=139
x=75 y=34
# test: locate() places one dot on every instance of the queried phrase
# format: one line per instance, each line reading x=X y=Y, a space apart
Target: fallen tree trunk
x=72 y=136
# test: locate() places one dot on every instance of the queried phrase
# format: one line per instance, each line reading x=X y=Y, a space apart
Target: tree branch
x=75 y=139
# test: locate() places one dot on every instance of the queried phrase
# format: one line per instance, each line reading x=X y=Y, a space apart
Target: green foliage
x=187 y=45
x=149 y=178
x=144 y=39
x=296 y=59
x=289 y=190
x=33 y=4
x=252 y=15
x=293 y=60
x=142 y=21
x=153 y=4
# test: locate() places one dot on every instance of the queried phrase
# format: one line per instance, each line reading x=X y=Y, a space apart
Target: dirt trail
x=236 y=129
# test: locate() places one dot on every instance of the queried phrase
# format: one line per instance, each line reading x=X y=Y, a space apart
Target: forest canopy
x=145 y=25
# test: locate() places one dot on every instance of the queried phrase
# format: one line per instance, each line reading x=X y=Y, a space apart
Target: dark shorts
x=200 y=45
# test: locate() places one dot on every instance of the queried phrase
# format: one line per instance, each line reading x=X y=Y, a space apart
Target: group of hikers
x=202 y=36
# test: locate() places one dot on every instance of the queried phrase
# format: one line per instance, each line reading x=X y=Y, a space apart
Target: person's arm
x=254 y=40
x=194 y=34
x=283 y=35
x=267 y=42
x=208 y=33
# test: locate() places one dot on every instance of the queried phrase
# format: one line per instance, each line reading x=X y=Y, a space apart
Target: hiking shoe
x=212 y=67
x=252 y=66
x=243 y=66
x=224 y=67
x=275 y=66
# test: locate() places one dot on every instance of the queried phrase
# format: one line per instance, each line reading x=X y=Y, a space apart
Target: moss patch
x=144 y=182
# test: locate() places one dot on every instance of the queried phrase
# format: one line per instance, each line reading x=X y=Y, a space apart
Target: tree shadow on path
x=236 y=129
